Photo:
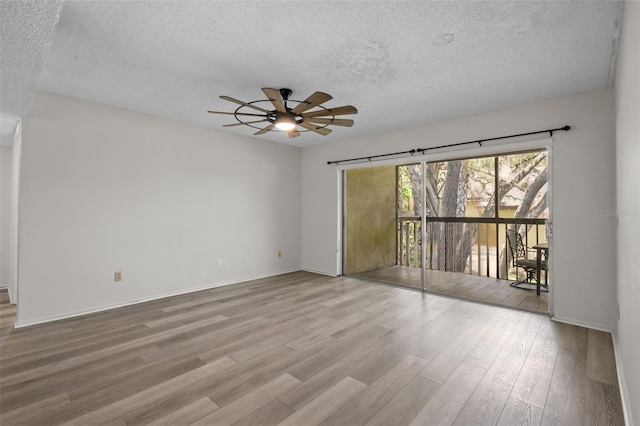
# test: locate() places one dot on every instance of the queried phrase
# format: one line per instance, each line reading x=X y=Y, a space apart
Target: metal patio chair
x=520 y=259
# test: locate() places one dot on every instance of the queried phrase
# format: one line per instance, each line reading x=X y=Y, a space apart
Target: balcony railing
x=409 y=241
x=476 y=246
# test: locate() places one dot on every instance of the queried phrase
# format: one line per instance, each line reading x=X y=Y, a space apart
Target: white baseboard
x=581 y=324
x=622 y=385
x=313 y=271
x=12 y=297
x=148 y=299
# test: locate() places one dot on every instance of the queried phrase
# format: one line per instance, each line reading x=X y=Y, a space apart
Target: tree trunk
x=461 y=249
x=448 y=206
x=432 y=209
x=415 y=177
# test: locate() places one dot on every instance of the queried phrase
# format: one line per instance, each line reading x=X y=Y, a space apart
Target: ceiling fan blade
x=265 y=130
x=276 y=98
x=343 y=110
x=334 y=121
x=312 y=101
x=293 y=133
x=236 y=113
x=321 y=130
x=244 y=122
x=227 y=98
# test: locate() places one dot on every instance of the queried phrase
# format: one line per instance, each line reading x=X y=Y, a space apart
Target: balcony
x=475 y=246
x=464 y=257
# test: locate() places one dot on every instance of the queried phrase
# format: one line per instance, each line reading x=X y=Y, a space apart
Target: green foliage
x=520 y=188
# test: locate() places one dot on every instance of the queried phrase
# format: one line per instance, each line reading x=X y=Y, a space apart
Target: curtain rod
x=479 y=142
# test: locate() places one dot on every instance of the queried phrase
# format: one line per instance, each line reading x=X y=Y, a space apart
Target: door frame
x=485 y=149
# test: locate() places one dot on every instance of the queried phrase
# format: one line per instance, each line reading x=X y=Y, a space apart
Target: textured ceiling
x=26 y=31
x=401 y=63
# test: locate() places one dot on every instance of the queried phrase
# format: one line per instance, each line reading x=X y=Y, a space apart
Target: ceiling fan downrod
x=285 y=93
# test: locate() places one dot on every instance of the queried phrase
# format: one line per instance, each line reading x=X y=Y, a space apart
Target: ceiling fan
x=287 y=118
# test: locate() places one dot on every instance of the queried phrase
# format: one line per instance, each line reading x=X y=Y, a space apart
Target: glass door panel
x=382 y=232
x=470 y=204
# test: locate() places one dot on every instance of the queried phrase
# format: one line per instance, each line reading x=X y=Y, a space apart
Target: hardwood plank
x=249 y=378
x=111 y=392
x=187 y=414
x=565 y=401
x=53 y=402
x=486 y=351
x=221 y=340
x=33 y=373
x=269 y=414
x=427 y=340
x=517 y=412
x=329 y=329
x=447 y=402
x=122 y=406
x=279 y=336
x=601 y=365
x=237 y=380
x=406 y=404
x=532 y=385
x=126 y=383
x=571 y=339
x=453 y=355
x=328 y=357
x=375 y=368
x=328 y=377
x=38 y=357
x=116 y=422
x=215 y=294
x=256 y=399
x=156 y=339
x=321 y=407
x=490 y=396
x=49 y=384
x=602 y=404
x=4 y=296
x=170 y=319
x=366 y=404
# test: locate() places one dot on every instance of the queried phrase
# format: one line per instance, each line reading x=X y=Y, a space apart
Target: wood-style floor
x=464 y=286
x=303 y=349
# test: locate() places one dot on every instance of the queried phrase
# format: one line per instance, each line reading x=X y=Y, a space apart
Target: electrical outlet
x=246 y=260
x=219 y=261
x=279 y=253
x=117 y=276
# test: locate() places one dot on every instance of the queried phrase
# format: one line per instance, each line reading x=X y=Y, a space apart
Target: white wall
x=627 y=91
x=583 y=189
x=104 y=189
x=13 y=214
x=5 y=214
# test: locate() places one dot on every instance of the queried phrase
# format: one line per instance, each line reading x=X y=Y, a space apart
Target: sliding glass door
x=382 y=224
x=442 y=227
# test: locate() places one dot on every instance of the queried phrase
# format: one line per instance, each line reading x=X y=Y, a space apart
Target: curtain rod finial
x=566 y=128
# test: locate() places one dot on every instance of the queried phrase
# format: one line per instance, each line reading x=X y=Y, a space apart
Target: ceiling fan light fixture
x=285 y=123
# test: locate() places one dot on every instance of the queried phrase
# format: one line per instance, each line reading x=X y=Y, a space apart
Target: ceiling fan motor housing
x=285 y=93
